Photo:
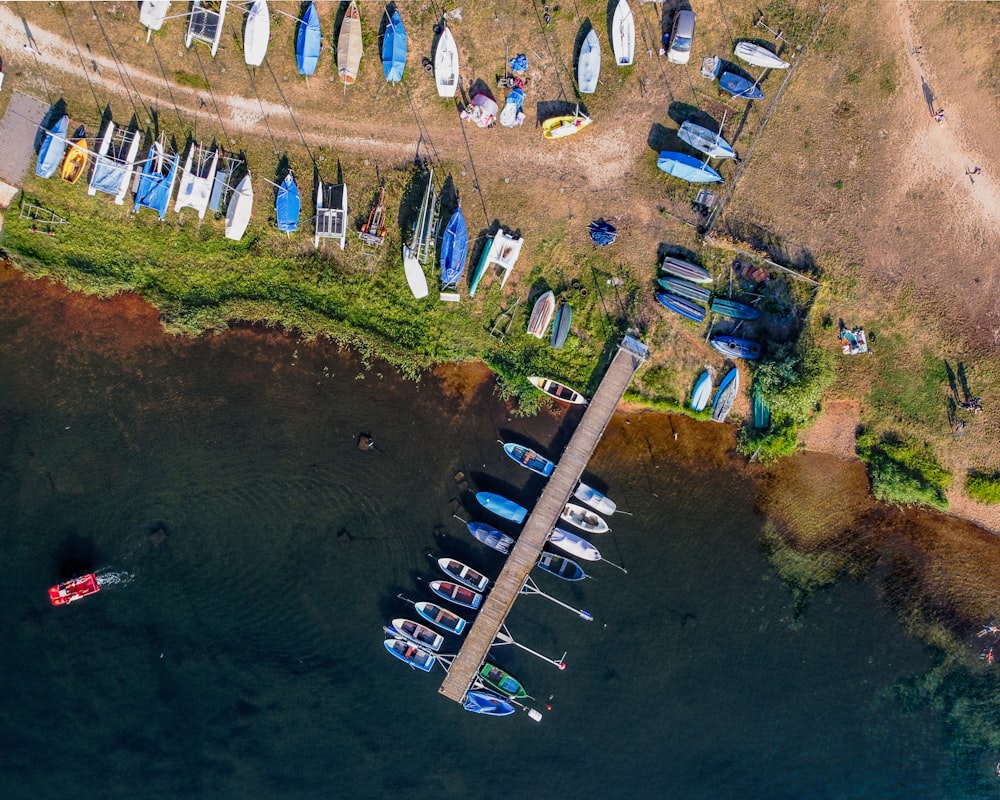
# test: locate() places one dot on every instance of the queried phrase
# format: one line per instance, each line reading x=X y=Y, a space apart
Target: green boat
x=502 y=681
x=761 y=412
x=730 y=308
x=691 y=291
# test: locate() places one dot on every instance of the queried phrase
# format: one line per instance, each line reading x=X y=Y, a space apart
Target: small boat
x=446 y=64
x=394 y=48
x=735 y=347
x=588 y=67
x=454 y=250
x=561 y=567
x=73 y=590
x=565 y=125
x=421 y=247
x=308 y=42
x=512 y=114
x=726 y=395
x=457 y=593
x=240 y=207
x=702 y=139
x=156 y=181
x=205 y=24
x=758 y=56
x=684 y=288
x=623 y=34
x=681 y=305
x=529 y=459
x=442 y=617
x=702 y=391
x=76 y=159
x=761 y=412
x=594 y=499
x=349 y=47
x=410 y=653
x=417 y=633
x=490 y=536
x=256 y=34
x=502 y=507
x=687 y=168
x=584 y=518
x=501 y=251
x=541 y=315
x=287 y=204
x=502 y=681
x=685 y=269
x=194 y=189
x=114 y=161
x=738 y=86
x=560 y=326
x=574 y=545
x=463 y=574
x=733 y=309
x=557 y=391
x=479 y=702
x=53 y=148
x=152 y=13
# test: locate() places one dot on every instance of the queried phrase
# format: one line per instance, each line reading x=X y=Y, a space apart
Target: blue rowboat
x=681 y=305
x=560 y=326
x=288 y=204
x=442 y=617
x=685 y=269
x=490 y=536
x=726 y=396
x=529 y=459
x=732 y=309
x=394 y=48
x=687 y=168
x=53 y=148
x=457 y=593
x=410 y=653
x=502 y=507
x=741 y=87
x=702 y=391
x=454 y=250
x=561 y=567
x=684 y=288
x=309 y=41
x=735 y=347
x=480 y=702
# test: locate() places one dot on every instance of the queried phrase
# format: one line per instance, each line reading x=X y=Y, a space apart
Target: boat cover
x=154 y=186
x=519 y=63
x=394 y=49
x=687 y=168
x=738 y=86
x=308 y=43
x=603 y=232
x=512 y=114
x=111 y=173
x=287 y=205
x=480 y=702
x=50 y=154
x=482 y=110
x=454 y=249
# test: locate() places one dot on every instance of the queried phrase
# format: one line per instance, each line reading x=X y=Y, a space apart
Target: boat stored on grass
x=50 y=154
x=733 y=309
x=560 y=326
x=446 y=64
x=561 y=567
x=195 y=187
x=681 y=305
x=205 y=24
x=685 y=269
x=417 y=633
x=463 y=573
x=705 y=141
x=156 y=182
x=480 y=702
x=113 y=162
x=239 y=210
x=588 y=67
x=736 y=347
x=726 y=396
x=256 y=34
x=529 y=459
x=557 y=391
x=687 y=168
x=152 y=13
x=410 y=653
x=76 y=159
x=454 y=249
x=502 y=507
x=759 y=56
x=457 y=593
x=594 y=499
x=287 y=204
x=623 y=34
x=501 y=252
x=761 y=411
x=349 y=48
x=308 y=42
x=565 y=125
x=420 y=250
x=491 y=536
x=584 y=518
x=684 y=288
x=541 y=315
x=502 y=681
x=702 y=391
x=72 y=590
x=394 y=46
x=740 y=87
x=446 y=620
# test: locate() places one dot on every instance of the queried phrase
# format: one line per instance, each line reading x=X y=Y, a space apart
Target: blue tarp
x=53 y=148
x=454 y=249
x=519 y=63
x=309 y=40
x=109 y=174
x=603 y=232
x=155 y=187
x=288 y=204
x=394 y=49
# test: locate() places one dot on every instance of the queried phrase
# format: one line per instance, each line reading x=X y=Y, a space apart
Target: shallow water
x=244 y=657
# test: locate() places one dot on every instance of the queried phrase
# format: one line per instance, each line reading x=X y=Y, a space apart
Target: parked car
x=681 y=38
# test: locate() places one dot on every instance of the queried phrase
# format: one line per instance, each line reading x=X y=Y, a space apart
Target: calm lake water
x=242 y=657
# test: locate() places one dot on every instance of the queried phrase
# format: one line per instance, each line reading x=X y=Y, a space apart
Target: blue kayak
x=738 y=86
x=309 y=41
x=681 y=305
x=394 y=48
x=687 y=168
x=702 y=391
x=50 y=154
x=529 y=459
x=502 y=507
x=479 y=702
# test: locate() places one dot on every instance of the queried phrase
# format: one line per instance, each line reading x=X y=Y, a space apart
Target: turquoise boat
x=502 y=507
x=685 y=288
x=529 y=459
x=681 y=305
x=761 y=412
x=702 y=391
x=733 y=309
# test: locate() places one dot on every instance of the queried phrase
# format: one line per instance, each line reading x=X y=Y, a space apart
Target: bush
x=903 y=471
x=983 y=487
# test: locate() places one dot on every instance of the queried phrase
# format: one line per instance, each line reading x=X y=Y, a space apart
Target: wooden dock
x=542 y=520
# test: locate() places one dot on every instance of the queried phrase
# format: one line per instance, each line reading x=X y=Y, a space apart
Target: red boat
x=67 y=592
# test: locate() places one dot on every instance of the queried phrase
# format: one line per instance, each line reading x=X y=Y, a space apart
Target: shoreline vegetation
x=824 y=523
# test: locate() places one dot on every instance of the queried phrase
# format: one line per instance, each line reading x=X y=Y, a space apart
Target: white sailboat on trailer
x=422 y=243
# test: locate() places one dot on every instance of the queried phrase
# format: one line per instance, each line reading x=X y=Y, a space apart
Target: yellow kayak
x=566 y=125
x=76 y=161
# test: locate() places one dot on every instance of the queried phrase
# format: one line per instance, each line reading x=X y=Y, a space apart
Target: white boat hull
x=588 y=68
x=257 y=34
x=446 y=64
x=758 y=56
x=415 y=276
x=240 y=208
x=574 y=545
x=623 y=34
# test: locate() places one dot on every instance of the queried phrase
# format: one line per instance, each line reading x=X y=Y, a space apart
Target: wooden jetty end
x=522 y=559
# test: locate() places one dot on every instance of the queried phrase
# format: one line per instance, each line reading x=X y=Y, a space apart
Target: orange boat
x=76 y=159
x=73 y=590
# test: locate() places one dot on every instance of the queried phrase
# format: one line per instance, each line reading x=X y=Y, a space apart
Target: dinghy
x=152 y=13
x=410 y=653
x=557 y=391
x=502 y=507
x=420 y=249
x=565 y=125
x=588 y=67
x=502 y=681
x=464 y=574
x=349 y=47
x=584 y=519
x=726 y=396
x=736 y=347
x=308 y=41
x=529 y=459
x=446 y=64
x=685 y=269
x=195 y=187
x=156 y=183
x=240 y=208
x=454 y=249
x=691 y=291
x=758 y=56
x=417 y=633
x=490 y=536
x=560 y=326
x=113 y=163
x=76 y=159
x=702 y=391
x=50 y=154
x=687 y=168
x=541 y=315
x=442 y=617
x=256 y=34
x=594 y=499
x=681 y=305
x=287 y=204
x=394 y=48
x=480 y=702
x=733 y=309
x=205 y=24
x=740 y=87
x=457 y=593
x=561 y=567
x=623 y=34
x=703 y=140
x=574 y=545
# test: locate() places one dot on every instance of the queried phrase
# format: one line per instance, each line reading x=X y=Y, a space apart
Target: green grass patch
x=190 y=79
x=984 y=487
x=903 y=471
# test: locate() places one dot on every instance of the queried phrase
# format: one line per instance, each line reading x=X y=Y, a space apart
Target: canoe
x=706 y=141
x=480 y=702
x=442 y=617
x=594 y=499
x=394 y=43
x=687 y=168
x=529 y=459
x=684 y=288
x=758 y=56
x=464 y=574
x=490 y=536
x=560 y=326
x=622 y=32
x=349 y=48
x=561 y=567
x=446 y=64
x=76 y=159
x=681 y=305
x=53 y=148
x=588 y=67
x=761 y=412
x=502 y=681
x=256 y=34
x=556 y=390
x=574 y=545
x=740 y=87
x=733 y=309
x=287 y=204
x=735 y=347
x=584 y=518
x=541 y=315
x=502 y=507
x=240 y=208
x=702 y=391
x=308 y=42
x=454 y=250
x=410 y=653
x=457 y=593
x=726 y=396
x=564 y=125
x=417 y=633
x=685 y=269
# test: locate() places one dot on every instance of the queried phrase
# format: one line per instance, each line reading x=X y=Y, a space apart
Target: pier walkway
x=564 y=479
